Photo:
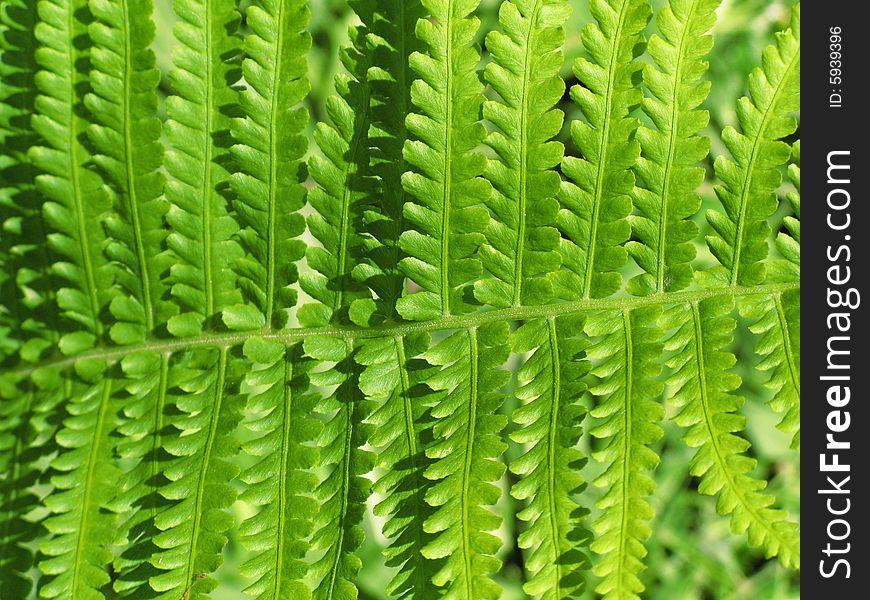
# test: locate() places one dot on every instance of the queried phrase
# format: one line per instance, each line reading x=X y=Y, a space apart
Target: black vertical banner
x=836 y=269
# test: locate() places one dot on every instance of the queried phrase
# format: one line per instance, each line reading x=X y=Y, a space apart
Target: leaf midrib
x=524 y=150
x=271 y=220
x=626 y=451
x=392 y=329
x=351 y=171
x=75 y=178
x=448 y=170
x=287 y=407
x=552 y=467
x=129 y=149
x=157 y=432
x=469 y=454
x=347 y=457
x=786 y=340
x=207 y=190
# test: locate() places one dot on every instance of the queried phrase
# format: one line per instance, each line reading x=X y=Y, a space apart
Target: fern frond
x=29 y=325
x=776 y=321
x=193 y=528
x=704 y=388
x=269 y=150
x=445 y=179
x=280 y=483
x=751 y=177
x=522 y=245
x=84 y=479
x=125 y=133
x=26 y=435
x=391 y=41
x=549 y=424
x=166 y=401
x=75 y=200
x=343 y=186
x=126 y=136
x=343 y=491
x=401 y=425
x=465 y=455
x=596 y=201
x=671 y=149
x=788 y=242
x=76 y=549
x=28 y=321
x=197 y=133
x=144 y=426
x=627 y=355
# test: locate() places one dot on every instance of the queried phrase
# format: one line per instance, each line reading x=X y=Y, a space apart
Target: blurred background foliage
x=692 y=555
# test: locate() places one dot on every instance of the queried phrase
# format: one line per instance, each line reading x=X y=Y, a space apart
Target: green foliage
x=596 y=199
x=198 y=139
x=445 y=179
x=522 y=244
x=465 y=456
x=750 y=179
x=550 y=382
x=217 y=342
x=269 y=149
x=672 y=148
x=342 y=186
x=628 y=351
x=708 y=406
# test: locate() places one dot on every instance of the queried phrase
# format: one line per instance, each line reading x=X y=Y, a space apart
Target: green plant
x=159 y=369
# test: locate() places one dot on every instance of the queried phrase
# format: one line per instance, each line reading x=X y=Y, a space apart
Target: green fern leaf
x=776 y=320
x=84 y=478
x=465 y=456
x=704 y=385
x=445 y=180
x=269 y=150
x=402 y=430
x=197 y=131
x=750 y=179
x=29 y=325
x=596 y=201
x=788 y=242
x=343 y=185
x=666 y=199
x=74 y=197
x=776 y=323
x=627 y=355
x=144 y=426
x=551 y=384
x=280 y=483
x=193 y=528
x=391 y=41
x=522 y=245
x=126 y=136
x=165 y=403
x=28 y=321
x=343 y=491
